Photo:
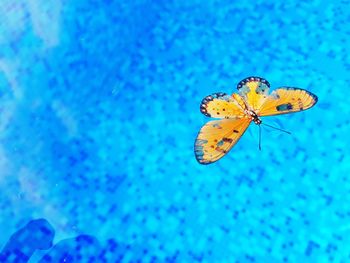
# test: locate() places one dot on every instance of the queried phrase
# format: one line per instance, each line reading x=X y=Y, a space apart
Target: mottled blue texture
x=99 y=109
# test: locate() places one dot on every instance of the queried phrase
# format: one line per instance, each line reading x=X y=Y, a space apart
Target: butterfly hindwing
x=222 y=105
x=254 y=90
x=216 y=138
x=287 y=100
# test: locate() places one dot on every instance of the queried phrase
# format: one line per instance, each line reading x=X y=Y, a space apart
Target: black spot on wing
x=229 y=140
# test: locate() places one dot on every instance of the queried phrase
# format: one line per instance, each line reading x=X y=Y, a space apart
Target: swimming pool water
x=99 y=110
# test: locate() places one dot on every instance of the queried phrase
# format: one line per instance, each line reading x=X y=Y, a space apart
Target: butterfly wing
x=287 y=100
x=216 y=138
x=222 y=105
x=254 y=90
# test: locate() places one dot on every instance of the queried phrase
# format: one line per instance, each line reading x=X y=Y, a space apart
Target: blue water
x=99 y=110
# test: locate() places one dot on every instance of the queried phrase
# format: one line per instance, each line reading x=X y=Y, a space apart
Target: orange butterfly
x=237 y=111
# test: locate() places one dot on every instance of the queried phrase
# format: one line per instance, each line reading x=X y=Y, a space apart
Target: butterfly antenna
x=259 y=137
x=276 y=128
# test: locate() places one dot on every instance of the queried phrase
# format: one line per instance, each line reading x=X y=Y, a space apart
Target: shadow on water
x=38 y=235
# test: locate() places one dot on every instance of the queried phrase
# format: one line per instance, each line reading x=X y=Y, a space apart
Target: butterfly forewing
x=287 y=100
x=254 y=90
x=216 y=138
x=222 y=105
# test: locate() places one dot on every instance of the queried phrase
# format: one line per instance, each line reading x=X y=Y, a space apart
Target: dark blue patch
x=284 y=107
x=74 y=250
x=37 y=234
x=220 y=143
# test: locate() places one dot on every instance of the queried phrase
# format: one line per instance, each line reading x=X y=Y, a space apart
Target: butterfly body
x=253 y=116
x=235 y=112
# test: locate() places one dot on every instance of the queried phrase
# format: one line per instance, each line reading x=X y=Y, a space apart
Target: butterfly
x=235 y=112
